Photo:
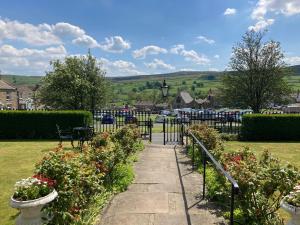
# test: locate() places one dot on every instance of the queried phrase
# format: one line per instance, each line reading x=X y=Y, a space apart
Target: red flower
x=50 y=182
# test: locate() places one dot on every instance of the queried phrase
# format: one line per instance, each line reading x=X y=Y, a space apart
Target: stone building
x=8 y=96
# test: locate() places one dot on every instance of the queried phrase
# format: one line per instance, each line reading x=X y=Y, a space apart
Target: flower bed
x=263 y=181
x=81 y=177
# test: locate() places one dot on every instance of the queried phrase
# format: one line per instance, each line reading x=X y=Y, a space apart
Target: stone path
x=165 y=192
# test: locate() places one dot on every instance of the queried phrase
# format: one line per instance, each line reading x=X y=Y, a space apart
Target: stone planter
x=293 y=211
x=31 y=210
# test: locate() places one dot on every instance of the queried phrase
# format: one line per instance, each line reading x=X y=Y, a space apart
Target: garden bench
x=65 y=135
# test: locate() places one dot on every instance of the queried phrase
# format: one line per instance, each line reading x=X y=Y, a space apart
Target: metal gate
x=173 y=131
x=111 y=120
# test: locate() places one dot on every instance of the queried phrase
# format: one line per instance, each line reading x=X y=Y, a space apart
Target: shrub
x=81 y=177
x=209 y=137
x=39 y=124
x=263 y=182
x=279 y=127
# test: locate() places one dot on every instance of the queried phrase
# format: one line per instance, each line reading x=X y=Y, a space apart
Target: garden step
x=161 y=194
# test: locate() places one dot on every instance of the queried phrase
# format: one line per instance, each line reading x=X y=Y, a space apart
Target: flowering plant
x=294 y=197
x=33 y=188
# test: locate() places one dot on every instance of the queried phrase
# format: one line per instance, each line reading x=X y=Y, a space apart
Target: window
x=8 y=97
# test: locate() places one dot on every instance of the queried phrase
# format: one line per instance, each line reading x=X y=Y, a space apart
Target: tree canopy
x=77 y=83
x=256 y=74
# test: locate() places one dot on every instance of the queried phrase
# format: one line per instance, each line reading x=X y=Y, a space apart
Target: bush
x=39 y=124
x=81 y=177
x=261 y=127
x=263 y=182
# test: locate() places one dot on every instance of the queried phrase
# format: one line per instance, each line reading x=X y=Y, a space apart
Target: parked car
x=160 y=118
x=183 y=119
x=122 y=113
x=107 y=119
x=131 y=119
x=165 y=112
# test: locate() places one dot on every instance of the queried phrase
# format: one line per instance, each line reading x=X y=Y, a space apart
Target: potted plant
x=291 y=204
x=30 y=196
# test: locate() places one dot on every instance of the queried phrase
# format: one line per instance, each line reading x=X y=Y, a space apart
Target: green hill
x=147 y=87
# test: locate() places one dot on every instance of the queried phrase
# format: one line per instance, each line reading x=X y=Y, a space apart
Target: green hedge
x=261 y=127
x=39 y=124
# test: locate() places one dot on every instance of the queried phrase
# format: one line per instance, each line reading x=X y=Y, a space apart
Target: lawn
x=17 y=160
x=286 y=151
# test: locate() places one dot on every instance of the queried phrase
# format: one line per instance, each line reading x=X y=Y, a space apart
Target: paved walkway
x=165 y=192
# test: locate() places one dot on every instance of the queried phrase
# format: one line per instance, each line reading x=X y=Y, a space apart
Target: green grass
x=17 y=160
x=285 y=151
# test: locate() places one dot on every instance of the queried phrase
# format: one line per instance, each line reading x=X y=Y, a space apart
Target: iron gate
x=111 y=120
x=173 y=130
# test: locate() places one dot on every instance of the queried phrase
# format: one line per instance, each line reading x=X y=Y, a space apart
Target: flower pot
x=31 y=210
x=293 y=211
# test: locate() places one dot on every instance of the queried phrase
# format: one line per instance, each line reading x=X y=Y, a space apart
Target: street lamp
x=164 y=89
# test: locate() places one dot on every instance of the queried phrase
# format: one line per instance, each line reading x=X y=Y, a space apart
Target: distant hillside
x=296 y=69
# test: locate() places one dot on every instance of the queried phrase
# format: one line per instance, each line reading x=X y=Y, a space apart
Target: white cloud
x=293 y=60
x=176 y=49
x=86 y=40
x=187 y=69
x=261 y=24
x=35 y=35
x=148 y=50
x=213 y=69
x=217 y=56
x=120 y=68
x=159 y=64
x=263 y=7
x=115 y=44
x=286 y=7
x=230 y=11
x=190 y=55
x=29 y=61
x=44 y=34
x=205 y=39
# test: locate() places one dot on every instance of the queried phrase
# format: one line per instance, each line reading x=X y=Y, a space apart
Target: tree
x=256 y=76
x=75 y=83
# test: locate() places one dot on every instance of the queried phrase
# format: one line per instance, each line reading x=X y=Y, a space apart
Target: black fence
x=111 y=120
x=206 y=157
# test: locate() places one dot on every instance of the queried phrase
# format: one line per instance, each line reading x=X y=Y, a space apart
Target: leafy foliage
x=39 y=124
x=271 y=127
x=263 y=182
x=257 y=74
x=105 y=167
x=76 y=83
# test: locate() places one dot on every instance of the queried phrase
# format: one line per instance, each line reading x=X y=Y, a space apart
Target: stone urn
x=31 y=210
x=293 y=211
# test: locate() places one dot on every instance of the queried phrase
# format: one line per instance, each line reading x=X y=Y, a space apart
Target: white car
x=160 y=118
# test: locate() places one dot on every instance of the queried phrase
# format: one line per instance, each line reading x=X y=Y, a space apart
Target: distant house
x=185 y=100
x=8 y=96
x=144 y=106
x=292 y=108
x=26 y=96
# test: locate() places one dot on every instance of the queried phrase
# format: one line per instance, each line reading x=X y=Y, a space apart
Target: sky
x=138 y=37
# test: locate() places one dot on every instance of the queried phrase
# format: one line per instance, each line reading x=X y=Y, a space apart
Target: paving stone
x=160 y=195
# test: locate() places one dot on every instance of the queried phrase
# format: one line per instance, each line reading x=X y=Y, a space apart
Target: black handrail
x=205 y=154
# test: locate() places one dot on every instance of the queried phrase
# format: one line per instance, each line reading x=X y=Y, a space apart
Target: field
x=147 y=87
x=17 y=160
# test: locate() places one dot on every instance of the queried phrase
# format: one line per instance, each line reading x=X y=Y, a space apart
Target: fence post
x=204 y=172
x=232 y=204
x=150 y=130
x=164 y=130
x=193 y=156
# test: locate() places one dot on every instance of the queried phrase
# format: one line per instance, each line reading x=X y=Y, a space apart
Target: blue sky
x=140 y=36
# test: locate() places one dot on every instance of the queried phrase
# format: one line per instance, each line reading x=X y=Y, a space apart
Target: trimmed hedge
x=264 y=127
x=39 y=124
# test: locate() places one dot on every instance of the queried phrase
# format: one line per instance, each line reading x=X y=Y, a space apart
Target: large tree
x=256 y=74
x=75 y=83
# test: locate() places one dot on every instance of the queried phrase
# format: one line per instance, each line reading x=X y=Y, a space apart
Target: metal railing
x=111 y=120
x=206 y=155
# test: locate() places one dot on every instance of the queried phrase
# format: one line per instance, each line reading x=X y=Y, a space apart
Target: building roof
x=6 y=86
x=186 y=97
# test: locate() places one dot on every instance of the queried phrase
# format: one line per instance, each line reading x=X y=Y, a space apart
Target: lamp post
x=164 y=89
